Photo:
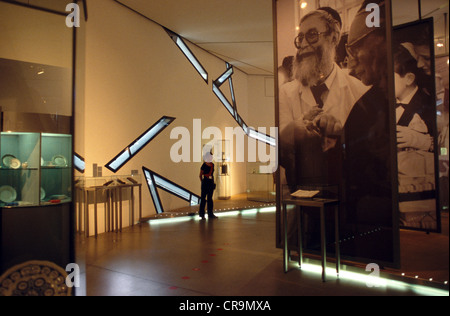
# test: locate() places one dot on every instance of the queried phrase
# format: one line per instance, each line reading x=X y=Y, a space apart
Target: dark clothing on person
x=367 y=170
x=208 y=187
x=207 y=170
x=420 y=104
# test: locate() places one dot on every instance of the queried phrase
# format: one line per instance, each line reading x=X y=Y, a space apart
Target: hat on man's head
x=334 y=14
x=359 y=28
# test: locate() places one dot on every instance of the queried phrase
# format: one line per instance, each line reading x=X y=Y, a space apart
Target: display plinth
x=110 y=192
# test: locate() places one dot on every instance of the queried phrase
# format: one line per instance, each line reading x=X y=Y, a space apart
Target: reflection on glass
x=121 y=159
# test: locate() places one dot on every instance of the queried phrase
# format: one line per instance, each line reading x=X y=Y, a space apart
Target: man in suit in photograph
x=315 y=106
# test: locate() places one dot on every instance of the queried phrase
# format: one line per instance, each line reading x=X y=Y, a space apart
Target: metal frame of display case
x=67 y=234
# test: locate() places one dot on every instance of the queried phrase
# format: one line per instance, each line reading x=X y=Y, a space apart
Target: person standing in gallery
x=367 y=163
x=314 y=107
x=208 y=186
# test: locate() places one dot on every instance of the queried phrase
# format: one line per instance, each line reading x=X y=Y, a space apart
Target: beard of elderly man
x=311 y=123
x=313 y=63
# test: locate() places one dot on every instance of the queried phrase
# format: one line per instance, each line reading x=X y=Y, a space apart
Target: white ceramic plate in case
x=59 y=161
x=15 y=163
x=7 y=194
x=7 y=159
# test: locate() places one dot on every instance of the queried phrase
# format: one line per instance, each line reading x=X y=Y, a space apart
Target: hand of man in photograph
x=329 y=125
x=409 y=138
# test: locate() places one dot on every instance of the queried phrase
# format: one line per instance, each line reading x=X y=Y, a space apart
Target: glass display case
x=36 y=169
x=37 y=98
x=260 y=187
x=56 y=168
x=107 y=195
x=19 y=171
x=223 y=179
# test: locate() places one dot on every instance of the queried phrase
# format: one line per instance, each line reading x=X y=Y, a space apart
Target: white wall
x=134 y=75
x=28 y=39
x=261 y=106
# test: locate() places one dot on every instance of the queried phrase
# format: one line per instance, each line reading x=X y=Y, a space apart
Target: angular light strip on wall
x=153 y=191
x=129 y=152
x=224 y=77
x=262 y=137
x=155 y=181
x=79 y=163
x=189 y=55
x=233 y=98
x=224 y=100
x=232 y=108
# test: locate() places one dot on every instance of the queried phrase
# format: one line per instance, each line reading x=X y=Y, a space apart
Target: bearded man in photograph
x=313 y=109
x=315 y=106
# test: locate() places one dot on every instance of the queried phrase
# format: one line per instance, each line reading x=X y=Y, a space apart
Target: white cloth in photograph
x=297 y=100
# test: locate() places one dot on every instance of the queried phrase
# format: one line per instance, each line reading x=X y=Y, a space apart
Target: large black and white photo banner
x=335 y=119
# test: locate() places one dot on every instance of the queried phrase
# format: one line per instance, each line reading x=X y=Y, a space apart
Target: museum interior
x=110 y=110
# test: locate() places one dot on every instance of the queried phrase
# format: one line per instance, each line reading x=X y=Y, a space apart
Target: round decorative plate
x=34 y=278
x=59 y=161
x=6 y=159
x=15 y=163
x=7 y=194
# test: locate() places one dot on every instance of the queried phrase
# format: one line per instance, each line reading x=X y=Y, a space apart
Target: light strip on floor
x=175 y=220
x=189 y=55
x=375 y=282
x=272 y=209
x=135 y=147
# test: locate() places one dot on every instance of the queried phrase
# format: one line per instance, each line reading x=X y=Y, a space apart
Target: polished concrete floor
x=234 y=255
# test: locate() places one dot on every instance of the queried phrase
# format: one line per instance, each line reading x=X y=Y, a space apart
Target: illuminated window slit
x=79 y=163
x=156 y=181
x=188 y=53
x=133 y=149
x=232 y=108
